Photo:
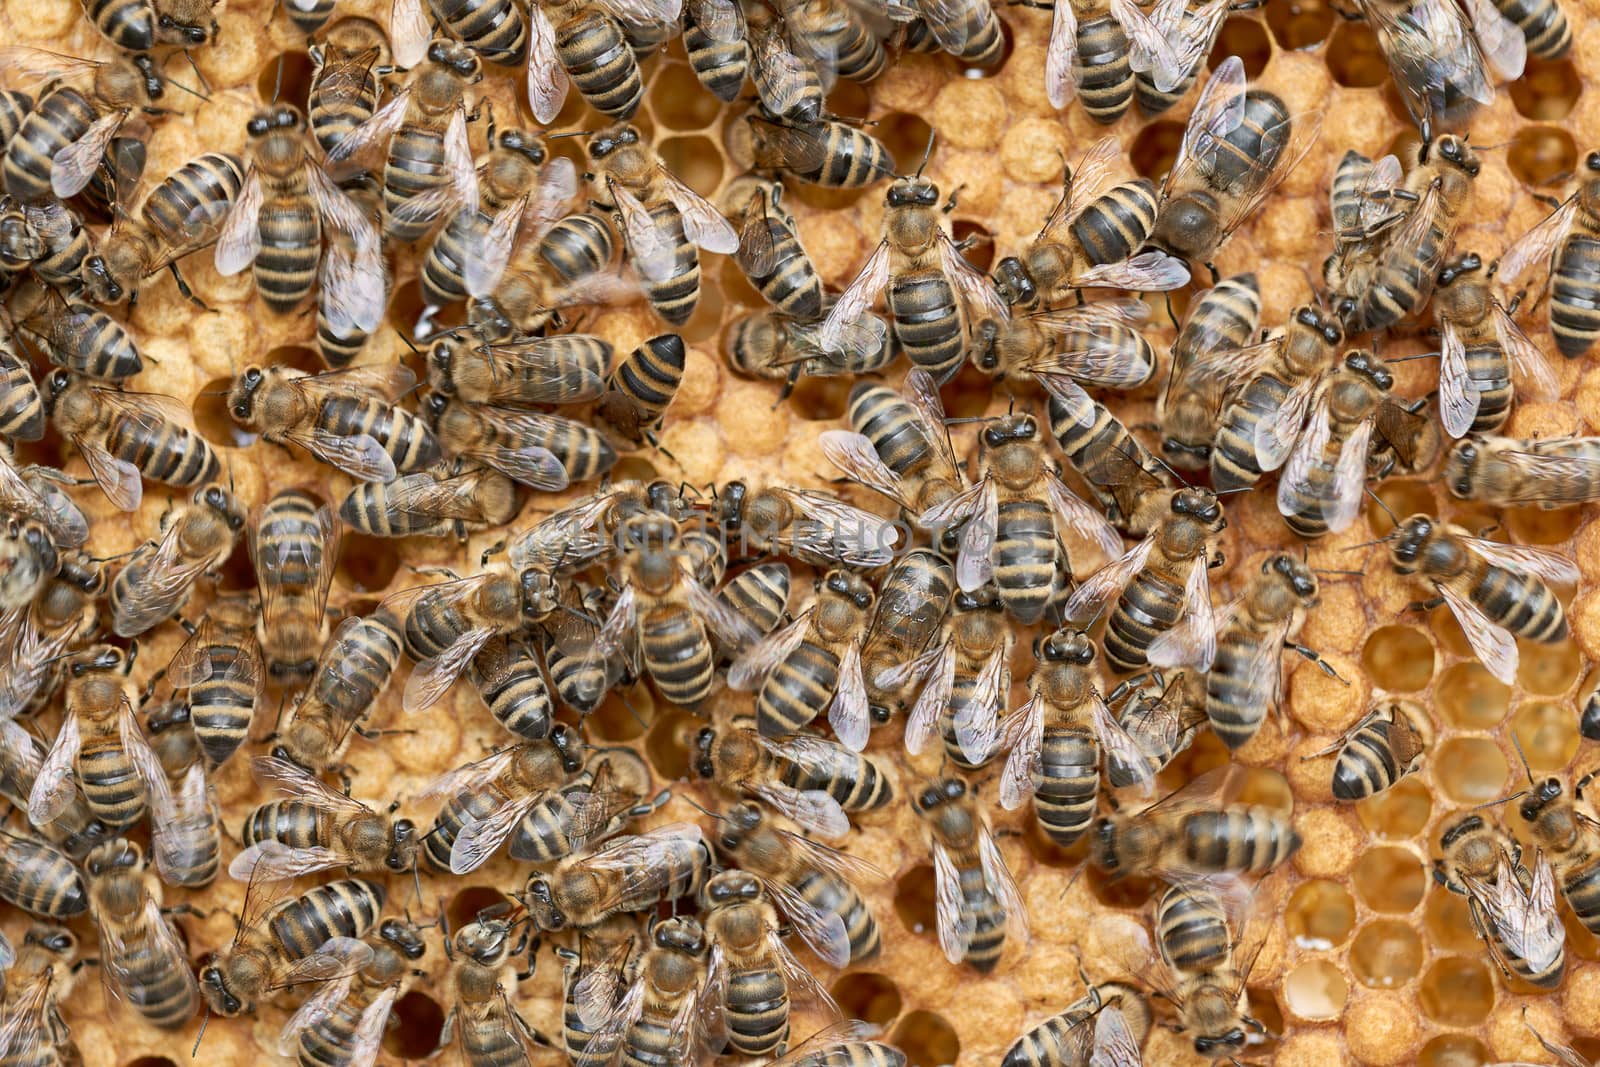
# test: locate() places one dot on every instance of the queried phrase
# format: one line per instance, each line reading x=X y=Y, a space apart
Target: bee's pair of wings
x=42 y=501
x=431 y=678
x=1082 y=356
x=569 y=539
x=1023 y=732
x=184 y=824
x=1459 y=397
x=1161 y=42
x=455 y=497
x=26 y=656
x=1435 y=43
x=547 y=77
x=618 y=634
x=1525 y=922
x=1218 y=113
x=1537 y=247
x=840 y=330
x=1340 y=501
x=73 y=166
x=956 y=922
x=116 y=477
x=354 y=275
x=533 y=465
x=1495 y=646
x=274 y=859
x=315 y=553
x=55 y=786
x=849 y=713
x=1532 y=473
x=1192 y=642
x=644 y=864
x=855 y=455
x=977 y=511
x=652 y=245
x=367 y=1037
x=160 y=576
x=813 y=810
x=974 y=723
x=359 y=455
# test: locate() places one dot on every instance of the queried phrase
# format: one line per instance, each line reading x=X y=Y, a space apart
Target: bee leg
x=950 y=204
x=1216 y=275
x=1343 y=738
x=1547 y=200
x=447 y=1030
x=185 y=909
x=492 y=551
x=1582 y=783
x=1423 y=605
x=183 y=287
x=1321 y=663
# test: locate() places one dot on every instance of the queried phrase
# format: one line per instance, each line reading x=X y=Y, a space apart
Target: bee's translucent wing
x=857 y=299
x=1060 y=61
x=955 y=921
x=848 y=713
x=1496 y=648
x=922 y=724
x=547 y=77
x=1547 y=564
x=761 y=658
x=1107 y=582
x=1537 y=245
x=977 y=722
x=1458 y=396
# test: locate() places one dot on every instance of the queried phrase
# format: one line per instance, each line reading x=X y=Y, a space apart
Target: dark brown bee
x=1116 y=467
x=313 y=828
x=196 y=539
x=1238 y=147
x=354 y=668
x=1095 y=47
x=829 y=153
x=1570 y=841
x=809 y=780
x=595 y=973
x=1220 y=322
x=1505 y=472
x=493 y=1032
x=294 y=544
x=1567 y=243
x=1494 y=590
x=344 y=80
x=348 y=418
x=449 y=501
x=141 y=952
x=565 y=368
x=276 y=224
x=181 y=215
x=40 y=879
x=59 y=145
x=978 y=901
x=220 y=666
x=545 y=452
x=1209 y=943
x=913 y=600
x=140 y=25
x=766 y=344
x=629 y=873
x=22 y=756
x=584 y=43
x=279 y=943
x=641 y=387
x=1382 y=747
x=343 y=1023
x=495 y=29
x=37 y=984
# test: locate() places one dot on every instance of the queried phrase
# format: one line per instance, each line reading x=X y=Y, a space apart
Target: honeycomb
x=1372 y=962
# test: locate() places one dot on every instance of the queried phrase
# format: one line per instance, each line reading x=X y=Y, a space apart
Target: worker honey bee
x=313 y=827
x=353 y=669
x=544 y=452
x=492 y=1031
x=585 y=44
x=140 y=25
x=196 y=539
x=1095 y=49
x=39 y=878
x=342 y=1023
x=715 y=40
x=1496 y=592
x=346 y=66
x=1208 y=942
x=628 y=873
x=1569 y=839
x=220 y=666
x=660 y=1014
x=1108 y=1024
x=1220 y=322
x=38 y=982
x=21 y=756
x=1385 y=745
x=978 y=901
x=913 y=600
x=965 y=679
x=140 y=951
x=561 y=369
x=294 y=544
x=1549 y=472
x=1565 y=243
x=1514 y=913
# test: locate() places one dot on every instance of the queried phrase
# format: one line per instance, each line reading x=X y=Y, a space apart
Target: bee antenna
x=1326 y=570
x=1408 y=359
x=574 y=133
x=409 y=343
x=277 y=81
x=691 y=802
x=1516 y=742
x=927 y=153
x=192 y=92
x=1386 y=509
x=1220 y=493
x=193 y=1053
x=1502 y=800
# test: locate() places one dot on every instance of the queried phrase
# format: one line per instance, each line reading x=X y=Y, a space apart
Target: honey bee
x=353 y=669
x=1507 y=472
x=580 y=680
x=100 y=740
x=788 y=85
x=21 y=756
x=1107 y=1025
x=493 y=1032
x=629 y=873
x=1570 y=841
x=28 y=561
x=181 y=215
x=808 y=525
x=123 y=436
x=340 y=338
x=1238 y=147
x=969 y=30
x=186 y=832
x=1246 y=672
x=220 y=666
x=1160 y=584
x=935 y=297
x=294 y=543
x=765 y=344
x=36 y=634
x=495 y=29
x=21 y=406
x=582 y=43
x=346 y=418
x=1059 y=735
x=38 y=878
x=345 y=88
x=809 y=780
x=1119 y=471
x=1095 y=49
x=1097 y=344
x=829 y=152
x=314 y=827
x=661 y=1017
x=448 y=501
x=59 y=144
x=662 y=219
x=572 y=269
x=561 y=369
x=1194 y=831
x=32 y=1032
x=1208 y=945
x=142 y=955
x=140 y=25
x=1389 y=271
x=1260 y=423
x=1515 y=916
x=280 y=943
x=913 y=601
x=640 y=389
x=1161 y=715
x=1481 y=350
x=770 y=253
x=715 y=40
x=752 y=978
x=1565 y=243
x=978 y=901
x=342 y=1023
x=1220 y=323
x=592 y=978
x=1385 y=745
x=448 y=623
x=1470 y=847
x=519 y=444
x=965 y=680
x=1442 y=57
x=157 y=579
x=276 y=221
x=813 y=661
x=82 y=339
x=1192 y=30
x=1494 y=591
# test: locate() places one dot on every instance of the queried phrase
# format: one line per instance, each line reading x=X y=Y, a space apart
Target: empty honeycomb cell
x=467 y=904
x=913 y=900
x=1386 y=954
x=906 y=136
x=1457 y=991
x=622 y=716
x=367 y=564
x=1400 y=811
x=1398 y=658
x=1471 y=770
x=1129 y=892
x=1316 y=990
x=1320 y=915
x=1539 y=526
x=820 y=399
x=695 y=160
x=1448 y=921
x=736 y=287
x=1548 y=733
x=1452 y=640
x=1547 y=89
x=1587 y=1047
x=1299 y=24
x=927 y=1040
x=287 y=78
x=976 y=241
x=1246 y=38
x=1354 y=58
x=1402 y=498
x=1471 y=698
x=1548 y=670
x=868 y=996
x=1453 y=1050
x=670 y=741
x=679 y=102
x=705 y=325
x=1542 y=155
x=1155 y=147
x=1389 y=880
x=413 y=1033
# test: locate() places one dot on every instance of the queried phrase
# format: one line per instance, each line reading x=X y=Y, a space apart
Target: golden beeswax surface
x=1372 y=963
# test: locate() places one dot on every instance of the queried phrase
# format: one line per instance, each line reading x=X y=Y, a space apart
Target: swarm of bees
x=1036 y=622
